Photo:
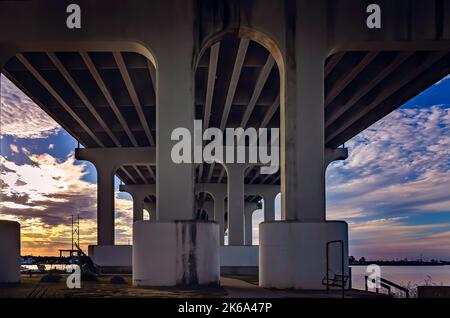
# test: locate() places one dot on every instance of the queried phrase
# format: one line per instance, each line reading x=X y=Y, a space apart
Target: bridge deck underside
x=108 y=99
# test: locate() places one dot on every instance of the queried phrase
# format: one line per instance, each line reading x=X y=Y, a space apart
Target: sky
x=393 y=190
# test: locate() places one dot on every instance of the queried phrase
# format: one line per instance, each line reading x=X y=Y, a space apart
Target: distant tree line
x=362 y=261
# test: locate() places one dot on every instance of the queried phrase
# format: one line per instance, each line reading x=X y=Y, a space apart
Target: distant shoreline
x=400 y=264
x=384 y=264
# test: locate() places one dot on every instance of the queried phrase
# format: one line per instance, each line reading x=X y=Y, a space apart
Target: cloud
x=20 y=116
x=14 y=148
x=398 y=166
x=43 y=196
x=43 y=192
x=395 y=238
x=398 y=170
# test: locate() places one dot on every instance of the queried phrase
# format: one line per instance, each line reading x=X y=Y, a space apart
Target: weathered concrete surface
x=112 y=256
x=175 y=253
x=293 y=254
x=9 y=252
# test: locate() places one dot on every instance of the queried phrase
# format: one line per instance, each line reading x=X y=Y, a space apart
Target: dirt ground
x=231 y=287
x=33 y=288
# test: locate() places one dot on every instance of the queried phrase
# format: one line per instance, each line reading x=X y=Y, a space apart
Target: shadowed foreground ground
x=231 y=287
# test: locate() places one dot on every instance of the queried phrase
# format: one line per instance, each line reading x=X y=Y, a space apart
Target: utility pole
x=78 y=233
x=72 y=235
x=75 y=231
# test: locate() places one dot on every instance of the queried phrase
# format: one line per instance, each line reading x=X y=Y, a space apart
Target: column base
x=293 y=254
x=175 y=253
x=111 y=258
x=9 y=252
x=239 y=260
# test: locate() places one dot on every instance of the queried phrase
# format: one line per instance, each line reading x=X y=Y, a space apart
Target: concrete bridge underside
x=314 y=70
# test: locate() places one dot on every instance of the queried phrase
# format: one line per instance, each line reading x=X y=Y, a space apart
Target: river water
x=406 y=276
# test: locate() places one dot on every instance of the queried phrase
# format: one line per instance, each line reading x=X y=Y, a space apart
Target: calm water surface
x=407 y=276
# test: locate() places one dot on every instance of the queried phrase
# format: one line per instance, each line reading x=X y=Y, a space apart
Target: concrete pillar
x=105 y=204
x=269 y=205
x=208 y=206
x=175 y=253
x=249 y=208
x=302 y=124
x=175 y=109
x=218 y=193
x=150 y=207
x=293 y=253
x=107 y=161
x=9 y=252
x=176 y=250
x=235 y=189
x=219 y=213
x=138 y=192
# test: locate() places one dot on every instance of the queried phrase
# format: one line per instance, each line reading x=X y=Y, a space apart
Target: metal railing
x=343 y=277
x=388 y=285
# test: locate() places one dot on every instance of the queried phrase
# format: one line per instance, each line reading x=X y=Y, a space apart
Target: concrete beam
x=212 y=76
x=240 y=57
x=101 y=84
x=58 y=97
x=133 y=95
x=118 y=157
x=267 y=191
x=270 y=112
x=334 y=60
x=347 y=78
x=358 y=94
x=260 y=82
x=334 y=154
x=358 y=115
x=60 y=67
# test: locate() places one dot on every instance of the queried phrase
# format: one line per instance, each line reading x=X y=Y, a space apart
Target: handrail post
x=342 y=268
x=350 y=282
x=365 y=283
x=327 y=275
x=341 y=243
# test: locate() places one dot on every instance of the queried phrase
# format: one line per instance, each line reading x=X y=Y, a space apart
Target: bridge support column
x=150 y=207
x=175 y=250
x=107 y=161
x=208 y=207
x=293 y=253
x=218 y=193
x=269 y=204
x=219 y=214
x=105 y=204
x=248 y=224
x=9 y=252
x=174 y=113
x=106 y=254
x=138 y=192
x=105 y=195
x=235 y=189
